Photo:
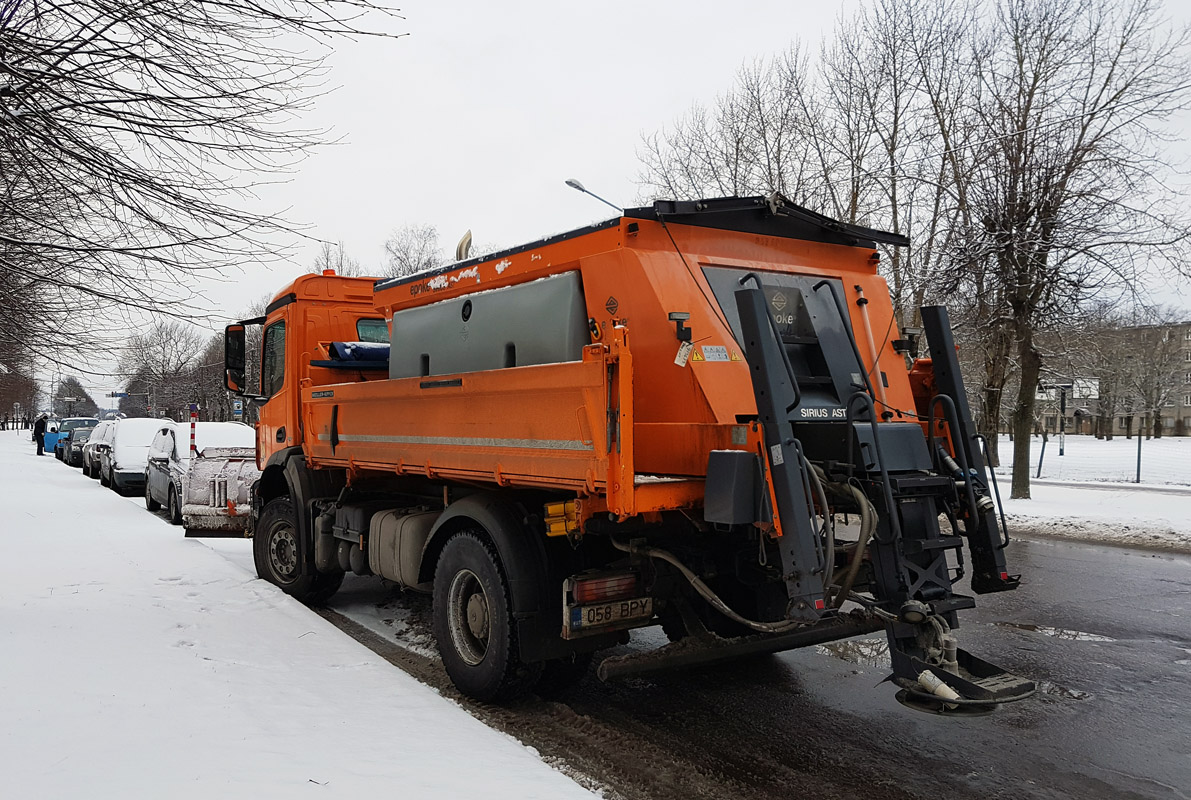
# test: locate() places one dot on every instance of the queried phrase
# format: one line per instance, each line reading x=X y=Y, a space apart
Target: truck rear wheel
x=276 y=554
x=473 y=622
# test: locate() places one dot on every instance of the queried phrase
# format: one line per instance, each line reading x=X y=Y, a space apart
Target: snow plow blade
x=707 y=649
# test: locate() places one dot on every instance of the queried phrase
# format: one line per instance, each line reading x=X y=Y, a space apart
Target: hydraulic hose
x=828 y=521
x=706 y=592
x=868 y=523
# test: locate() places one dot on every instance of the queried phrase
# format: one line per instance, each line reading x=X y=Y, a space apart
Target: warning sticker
x=735 y=356
x=775 y=455
x=713 y=352
x=684 y=352
x=698 y=356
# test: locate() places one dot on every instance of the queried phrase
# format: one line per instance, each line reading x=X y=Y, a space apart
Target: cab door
x=272 y=433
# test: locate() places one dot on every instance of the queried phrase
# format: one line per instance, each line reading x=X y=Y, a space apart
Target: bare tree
x=160 y=364
x=71 y=398
x=1011 y=139
x=335 y=257
x=1155 y=361
x=1071 y=98
x=131 y=134
x=413 y=248
x=866 y=132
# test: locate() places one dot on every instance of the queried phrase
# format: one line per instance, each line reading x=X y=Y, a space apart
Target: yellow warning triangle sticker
x=697 y=356
x=735 y=356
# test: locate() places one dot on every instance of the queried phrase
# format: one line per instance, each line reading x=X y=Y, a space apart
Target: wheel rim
x=468 y=617
x=283 y=551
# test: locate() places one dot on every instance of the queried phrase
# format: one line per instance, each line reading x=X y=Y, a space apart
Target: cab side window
x=372 y=330
x=273 y=365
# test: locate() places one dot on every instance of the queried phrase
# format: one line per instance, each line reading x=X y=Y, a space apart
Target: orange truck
x=696 y=415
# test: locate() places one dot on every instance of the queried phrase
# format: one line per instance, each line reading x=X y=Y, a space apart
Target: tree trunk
x=995 y=373
x=1023 y=413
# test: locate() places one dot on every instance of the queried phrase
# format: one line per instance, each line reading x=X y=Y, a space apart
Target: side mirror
x=234 y=360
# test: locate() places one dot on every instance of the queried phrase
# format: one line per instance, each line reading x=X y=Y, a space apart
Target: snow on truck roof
x=772 y=216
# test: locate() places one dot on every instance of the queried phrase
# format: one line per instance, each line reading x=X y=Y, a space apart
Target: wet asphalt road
x=1105 y=630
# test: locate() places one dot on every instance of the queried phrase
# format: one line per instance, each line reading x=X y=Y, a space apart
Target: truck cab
x=294 y=337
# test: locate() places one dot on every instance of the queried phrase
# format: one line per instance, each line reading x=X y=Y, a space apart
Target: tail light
x=605 y=587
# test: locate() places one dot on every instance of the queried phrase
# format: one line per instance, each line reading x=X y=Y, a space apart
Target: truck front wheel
x=276 y=554
x=473 y=622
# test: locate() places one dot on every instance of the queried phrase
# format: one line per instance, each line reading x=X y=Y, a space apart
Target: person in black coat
x=39 y=434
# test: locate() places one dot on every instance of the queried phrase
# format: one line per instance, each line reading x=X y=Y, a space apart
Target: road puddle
x=1058 y=633
x=864 y=652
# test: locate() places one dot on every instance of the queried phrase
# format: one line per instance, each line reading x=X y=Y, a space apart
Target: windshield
x=71 y=424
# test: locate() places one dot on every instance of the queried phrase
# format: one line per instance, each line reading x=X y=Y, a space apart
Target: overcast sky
x=477 y=117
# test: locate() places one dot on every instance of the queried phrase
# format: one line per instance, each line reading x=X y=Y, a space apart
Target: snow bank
x=1116 y=515
x=137 y=663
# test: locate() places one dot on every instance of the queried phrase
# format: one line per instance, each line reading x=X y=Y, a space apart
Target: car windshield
x=81 y=434
x=71 y=424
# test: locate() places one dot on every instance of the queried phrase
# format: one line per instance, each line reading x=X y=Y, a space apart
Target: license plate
x=602 y=615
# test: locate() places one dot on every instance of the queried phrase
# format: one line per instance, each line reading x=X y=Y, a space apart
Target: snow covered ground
x=139 y=664
x=1088 y=493
x=1116 y=515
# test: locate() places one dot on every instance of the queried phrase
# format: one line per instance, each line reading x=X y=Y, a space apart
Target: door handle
x=281 y=434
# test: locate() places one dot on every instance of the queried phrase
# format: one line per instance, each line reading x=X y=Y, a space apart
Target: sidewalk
x=140 y=664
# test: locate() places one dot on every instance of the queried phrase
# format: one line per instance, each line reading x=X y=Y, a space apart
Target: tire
x=174 y=509
x=150 y=503
x=104 y=480
x=473 y=622
x=562 y=674
x=274 y=551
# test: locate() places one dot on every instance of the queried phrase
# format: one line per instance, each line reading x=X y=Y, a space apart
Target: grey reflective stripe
x=466 y=441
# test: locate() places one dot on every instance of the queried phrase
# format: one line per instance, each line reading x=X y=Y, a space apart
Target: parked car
x=73 y=452
x=64 y=428
x=99 y=439
x=208 y=490
x=123 y=460
x=50 y=438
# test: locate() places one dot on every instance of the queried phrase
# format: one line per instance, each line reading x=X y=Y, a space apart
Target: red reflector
x=612 y=587
x=1004 y=576
x=819 y=605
